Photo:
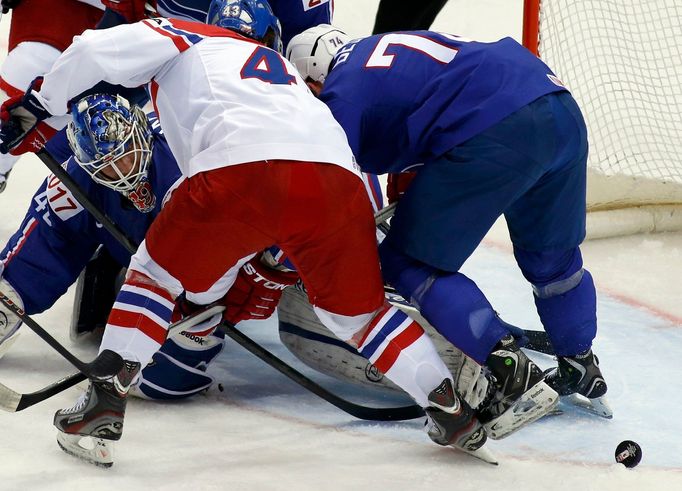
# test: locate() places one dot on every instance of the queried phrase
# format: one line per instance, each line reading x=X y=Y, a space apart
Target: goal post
x=622 y=61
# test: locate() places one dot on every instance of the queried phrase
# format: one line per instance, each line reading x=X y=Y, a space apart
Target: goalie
x=58 y=237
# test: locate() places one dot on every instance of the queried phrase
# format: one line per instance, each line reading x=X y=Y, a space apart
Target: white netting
x=622 y=60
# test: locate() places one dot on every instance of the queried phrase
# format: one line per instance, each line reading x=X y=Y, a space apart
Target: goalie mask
x=313 y=50
x=111 y=140
x=252 y=18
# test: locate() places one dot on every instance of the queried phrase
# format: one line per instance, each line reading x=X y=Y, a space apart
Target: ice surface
x=264 y=432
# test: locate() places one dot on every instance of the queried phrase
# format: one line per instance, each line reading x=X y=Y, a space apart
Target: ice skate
x=579 y=381
x=451 y=421
x=519 y=394
x=89 y=429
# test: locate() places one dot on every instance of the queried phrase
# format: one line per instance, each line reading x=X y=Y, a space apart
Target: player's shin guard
x=569 y=314
x=398 y=347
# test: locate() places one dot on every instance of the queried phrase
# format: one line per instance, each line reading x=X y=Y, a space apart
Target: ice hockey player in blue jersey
x=295 y=16
x=490 y=130
x=58 y=237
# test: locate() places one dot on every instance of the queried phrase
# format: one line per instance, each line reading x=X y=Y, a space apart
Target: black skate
x=579 y=381
x=88 y=429
x=518 y=395
x=452 y=422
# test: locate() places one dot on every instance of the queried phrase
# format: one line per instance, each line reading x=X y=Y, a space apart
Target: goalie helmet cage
x=622 y=61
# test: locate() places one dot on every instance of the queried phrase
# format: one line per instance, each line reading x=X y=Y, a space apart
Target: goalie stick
x=13 y=401
x=533 y=340
x=83 y=199
x=356 y=410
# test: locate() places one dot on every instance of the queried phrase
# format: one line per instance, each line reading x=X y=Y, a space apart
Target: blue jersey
x=406 y=98
x=295 y=15
x=58 y=236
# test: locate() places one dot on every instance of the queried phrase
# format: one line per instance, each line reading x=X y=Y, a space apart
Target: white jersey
x=221 y=99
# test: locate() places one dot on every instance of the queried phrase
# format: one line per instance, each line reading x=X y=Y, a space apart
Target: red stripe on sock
x=133 y=320
x=391 y=353
x=370 y=327
x=140 y=280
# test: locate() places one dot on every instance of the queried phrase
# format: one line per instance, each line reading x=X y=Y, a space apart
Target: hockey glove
x=397 y=184
x=185 y=308
x=8 y=4
x=21 y=122
x=132 y=10
x=256 y=291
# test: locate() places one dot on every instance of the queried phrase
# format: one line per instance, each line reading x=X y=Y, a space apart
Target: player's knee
x=407 y=275
x=551 y=272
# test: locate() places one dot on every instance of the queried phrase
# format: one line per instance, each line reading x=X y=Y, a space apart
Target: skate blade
x=7 y=344
x=97 y=451
x=536 y=402
x=482 y=453
x=599 y=405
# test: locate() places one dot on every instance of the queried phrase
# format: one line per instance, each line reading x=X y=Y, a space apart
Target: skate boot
x=518 y=394
x=88 y=429
x=451 y=421
x=579 y=381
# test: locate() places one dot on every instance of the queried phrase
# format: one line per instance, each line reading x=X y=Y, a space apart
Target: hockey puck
x=628 y=453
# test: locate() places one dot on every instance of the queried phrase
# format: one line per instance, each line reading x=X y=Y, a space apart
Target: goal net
x=622 y=61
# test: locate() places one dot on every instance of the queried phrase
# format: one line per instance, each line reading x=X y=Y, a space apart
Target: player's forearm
x=128 y=55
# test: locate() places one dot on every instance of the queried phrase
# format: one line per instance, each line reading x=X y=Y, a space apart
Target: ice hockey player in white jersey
x=266 y=163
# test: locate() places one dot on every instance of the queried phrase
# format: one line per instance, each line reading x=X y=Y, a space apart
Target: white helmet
x=312 y=51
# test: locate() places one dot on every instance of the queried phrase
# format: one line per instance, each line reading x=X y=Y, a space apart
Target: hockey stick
x=85 y=201
x=356 y=410
x=538 y=341
x=105 y=365
x=13 y=401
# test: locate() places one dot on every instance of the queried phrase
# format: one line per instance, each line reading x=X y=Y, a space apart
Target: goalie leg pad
x=178 y=369
x=311 y=342
x=9 y=322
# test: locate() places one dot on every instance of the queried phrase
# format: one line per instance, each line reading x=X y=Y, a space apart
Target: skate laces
x=81 y=402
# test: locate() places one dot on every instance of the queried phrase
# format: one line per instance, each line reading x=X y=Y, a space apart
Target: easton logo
x=257 y=278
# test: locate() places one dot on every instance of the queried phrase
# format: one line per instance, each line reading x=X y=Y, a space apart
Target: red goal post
x=622 y=61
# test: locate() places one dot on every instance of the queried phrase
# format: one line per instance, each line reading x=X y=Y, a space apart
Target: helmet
x=313 y=50
x=104 y=129
x=252 y=18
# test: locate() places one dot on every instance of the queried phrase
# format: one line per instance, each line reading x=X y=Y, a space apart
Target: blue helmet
x=112 y=141
x=252 y=18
